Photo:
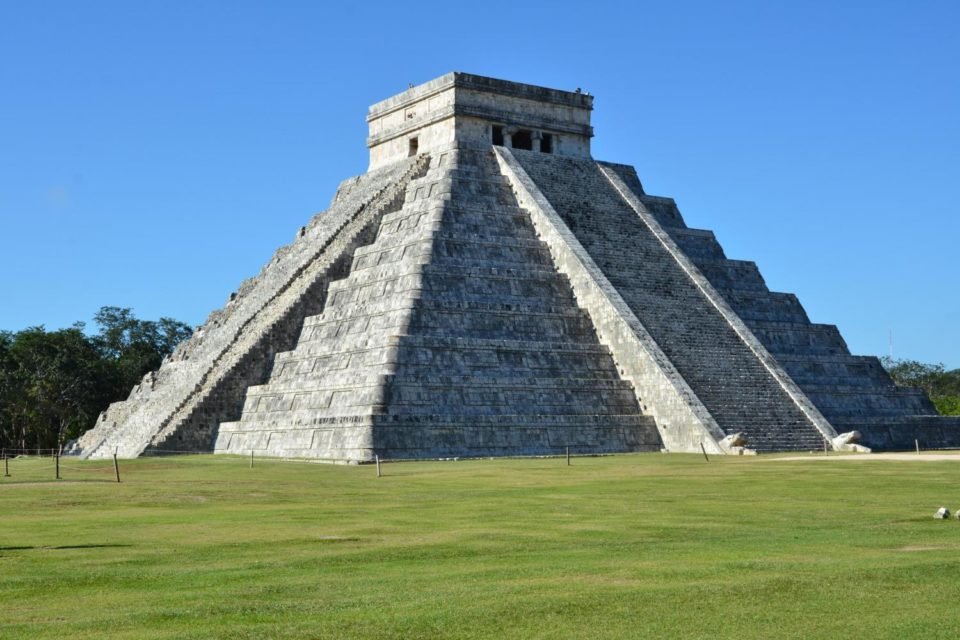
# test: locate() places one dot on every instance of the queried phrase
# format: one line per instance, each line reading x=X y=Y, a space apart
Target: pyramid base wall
x=904 y=433
x=350 y=442
x=363 y=438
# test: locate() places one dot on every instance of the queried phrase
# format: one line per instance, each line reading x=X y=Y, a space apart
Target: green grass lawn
x=615 y=547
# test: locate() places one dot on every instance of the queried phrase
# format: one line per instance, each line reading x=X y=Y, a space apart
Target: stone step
x=380 y=301
x=495 y=286
x=733 y=275
x=842 y=369
x=349 y=310
x=402 y=437
x=793 y=338
x=416 y=357
x=698 y=244
x=469 y=320
x=478 y=343
x=374 y=286
x=362 y=313
x=765 y=306
x=903 y=433
x=437 y=380
x=412 y=362
x=496 y=306
x=435 y=395
x=664 y=210
x=461 y=209
x=459 y=224
x=837 y=401
x=513 y=435
x=810 y=380
x=463 y=253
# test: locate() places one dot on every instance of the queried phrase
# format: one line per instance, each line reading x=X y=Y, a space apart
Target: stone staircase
x=453 y=335
x=725 y=374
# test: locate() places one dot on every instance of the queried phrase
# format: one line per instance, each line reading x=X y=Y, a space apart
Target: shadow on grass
x=65 y=547
x=53 y=481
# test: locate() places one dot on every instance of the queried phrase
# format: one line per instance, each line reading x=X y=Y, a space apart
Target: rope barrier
x=30 y=452
x=88 y=469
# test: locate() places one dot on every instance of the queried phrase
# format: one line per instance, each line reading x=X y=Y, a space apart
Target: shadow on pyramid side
x=488 y=289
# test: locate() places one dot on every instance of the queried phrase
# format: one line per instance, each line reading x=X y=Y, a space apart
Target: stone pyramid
x=489 y=289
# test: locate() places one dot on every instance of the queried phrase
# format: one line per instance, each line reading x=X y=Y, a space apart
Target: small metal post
x=702 y=448
x=568 y=456
x=824 y=446
x=116 y=467
x=378 y=465
x=917 y=443
x=6 y=465
x=251 y=458
x=56 y=459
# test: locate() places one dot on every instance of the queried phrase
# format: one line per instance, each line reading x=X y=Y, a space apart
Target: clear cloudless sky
x=154 y=154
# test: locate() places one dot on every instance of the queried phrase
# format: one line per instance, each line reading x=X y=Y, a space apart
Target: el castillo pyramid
x=487 y=288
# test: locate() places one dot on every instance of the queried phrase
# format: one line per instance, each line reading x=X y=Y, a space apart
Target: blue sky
x=155 y=154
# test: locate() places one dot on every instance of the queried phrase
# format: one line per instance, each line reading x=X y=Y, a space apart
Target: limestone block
x=848 y=442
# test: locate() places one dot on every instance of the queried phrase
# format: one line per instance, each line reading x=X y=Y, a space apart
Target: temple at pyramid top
x=470 y=111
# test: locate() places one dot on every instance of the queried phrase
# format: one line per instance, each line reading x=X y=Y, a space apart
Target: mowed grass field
x=628 y=546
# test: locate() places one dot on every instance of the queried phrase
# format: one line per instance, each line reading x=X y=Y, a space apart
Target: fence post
x=702 y=448
x=917 y=443
x=116 y=467
x=6 y=465
x=378 y=465
x=251 y=458
x=568 y=456
x=56 y=459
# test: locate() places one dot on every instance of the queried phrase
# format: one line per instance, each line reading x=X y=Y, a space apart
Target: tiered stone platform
x=488 y=289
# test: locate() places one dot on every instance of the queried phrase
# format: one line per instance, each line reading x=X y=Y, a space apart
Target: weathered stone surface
x=850 y=392
x=452 y=336
x=460 y=110
x=848 y=442
x=729 y=372
x=734 y=440
x=490 y=289
x=205 y=380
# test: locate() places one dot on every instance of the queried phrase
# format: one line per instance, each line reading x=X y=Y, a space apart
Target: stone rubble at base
x=488 y=289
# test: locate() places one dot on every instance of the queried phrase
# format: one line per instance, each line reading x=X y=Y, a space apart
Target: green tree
x=133 y=346
x=942 y=386
x=54 y=384
x=948 y=405
x=10 y=388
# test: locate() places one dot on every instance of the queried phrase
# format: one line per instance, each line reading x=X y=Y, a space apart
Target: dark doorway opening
x=498 y=136
x=546 y=143
x=522 y=139
x=414 y=145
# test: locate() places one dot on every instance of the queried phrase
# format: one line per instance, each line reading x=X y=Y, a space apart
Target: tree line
x=54 y=384
x=942 y=386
